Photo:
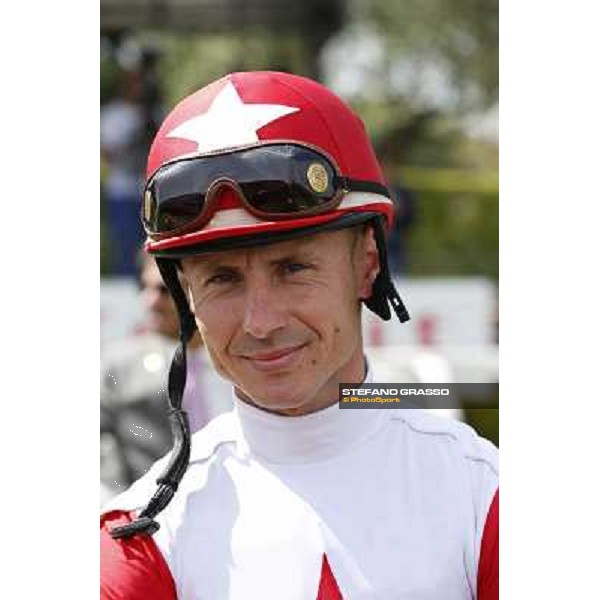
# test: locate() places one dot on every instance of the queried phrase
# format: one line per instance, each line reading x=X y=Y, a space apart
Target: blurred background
x=423 y=75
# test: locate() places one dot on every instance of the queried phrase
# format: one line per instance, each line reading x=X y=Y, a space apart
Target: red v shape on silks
x=328 y=587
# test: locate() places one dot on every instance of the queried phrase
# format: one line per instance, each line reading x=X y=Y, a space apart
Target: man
x=264 y=191
x=133 y=388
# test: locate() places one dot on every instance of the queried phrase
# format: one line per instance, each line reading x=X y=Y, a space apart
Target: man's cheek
x=220 y=366
x=216 y=357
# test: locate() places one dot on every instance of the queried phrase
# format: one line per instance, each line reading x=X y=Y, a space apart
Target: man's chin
x=292 y=402
x=289 y=400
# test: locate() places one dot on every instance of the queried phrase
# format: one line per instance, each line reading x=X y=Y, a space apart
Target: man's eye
x=222 y=278
x=292 y=267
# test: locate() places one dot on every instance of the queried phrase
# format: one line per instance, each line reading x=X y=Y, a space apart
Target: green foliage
x=191 y=61
x=460 y=34
x=454 y=234
x=455 y=185
x=485 y=421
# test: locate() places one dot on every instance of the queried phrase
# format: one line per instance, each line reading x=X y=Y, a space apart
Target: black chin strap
x=383 y=288
x=180 y=456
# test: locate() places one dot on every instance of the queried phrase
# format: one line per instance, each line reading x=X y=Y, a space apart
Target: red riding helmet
x=263 y=111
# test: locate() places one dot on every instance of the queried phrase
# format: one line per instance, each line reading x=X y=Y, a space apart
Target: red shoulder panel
x=488 y=572
x=131 y=569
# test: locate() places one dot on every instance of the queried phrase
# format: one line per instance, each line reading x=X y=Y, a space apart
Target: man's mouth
x=275 y=359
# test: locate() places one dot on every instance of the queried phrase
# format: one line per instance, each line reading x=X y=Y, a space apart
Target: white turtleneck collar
x=315 y=437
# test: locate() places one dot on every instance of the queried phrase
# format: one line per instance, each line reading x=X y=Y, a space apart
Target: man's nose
x=264 y=313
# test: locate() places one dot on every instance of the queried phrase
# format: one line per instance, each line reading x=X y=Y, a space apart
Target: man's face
x=283 y=321
x=160 y=312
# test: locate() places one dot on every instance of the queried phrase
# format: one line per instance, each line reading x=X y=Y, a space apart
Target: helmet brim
x=263 y=238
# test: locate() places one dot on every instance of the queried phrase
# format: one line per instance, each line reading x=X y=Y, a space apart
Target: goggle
x=275 y=181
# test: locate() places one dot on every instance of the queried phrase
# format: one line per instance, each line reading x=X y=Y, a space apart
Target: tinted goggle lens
x=274 y=181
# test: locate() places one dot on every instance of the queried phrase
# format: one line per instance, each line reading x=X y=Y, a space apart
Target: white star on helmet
x=229 y=122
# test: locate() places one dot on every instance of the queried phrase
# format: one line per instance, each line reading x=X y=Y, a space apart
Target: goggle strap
x=359 y=185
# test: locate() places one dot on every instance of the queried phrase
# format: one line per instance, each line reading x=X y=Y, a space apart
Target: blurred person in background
x=123 y=146
x=134 y=429
x=263 y=189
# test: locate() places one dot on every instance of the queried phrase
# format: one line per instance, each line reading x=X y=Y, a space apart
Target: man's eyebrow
x=211 y=265
x=300 y=255
x=220 y=266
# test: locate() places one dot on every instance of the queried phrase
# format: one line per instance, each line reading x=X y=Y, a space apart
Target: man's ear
x=367 y=261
